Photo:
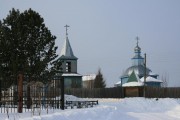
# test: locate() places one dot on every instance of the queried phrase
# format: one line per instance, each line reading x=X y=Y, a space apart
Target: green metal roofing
x=133 y=77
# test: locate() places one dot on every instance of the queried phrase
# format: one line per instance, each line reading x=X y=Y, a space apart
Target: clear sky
x=102 y=32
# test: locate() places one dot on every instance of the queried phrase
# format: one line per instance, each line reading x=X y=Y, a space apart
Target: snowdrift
x=112 y=109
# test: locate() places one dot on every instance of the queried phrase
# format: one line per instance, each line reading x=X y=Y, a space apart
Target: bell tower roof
x=67 y=51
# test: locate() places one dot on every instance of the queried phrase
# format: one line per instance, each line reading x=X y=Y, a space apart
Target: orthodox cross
x=66 y=26
x=137 y=38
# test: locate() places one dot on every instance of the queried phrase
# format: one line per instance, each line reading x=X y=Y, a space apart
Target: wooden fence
x=116 y=92
x=48 y=97
x=161 y=92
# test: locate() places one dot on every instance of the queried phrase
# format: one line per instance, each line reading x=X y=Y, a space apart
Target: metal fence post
x=62 y=93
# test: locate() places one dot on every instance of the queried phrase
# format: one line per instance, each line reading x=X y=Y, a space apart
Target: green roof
x=133 y=77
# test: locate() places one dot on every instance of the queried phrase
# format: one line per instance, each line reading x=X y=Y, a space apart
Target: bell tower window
x=68 y=66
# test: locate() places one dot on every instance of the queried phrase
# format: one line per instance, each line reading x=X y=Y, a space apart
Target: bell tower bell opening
x=68 y=67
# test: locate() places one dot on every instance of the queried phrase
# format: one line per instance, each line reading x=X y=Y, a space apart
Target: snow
x=111 y=109
x=118 y=83
x=71 y=74
x=132 y=84
x=89 y=77
x=150 y=79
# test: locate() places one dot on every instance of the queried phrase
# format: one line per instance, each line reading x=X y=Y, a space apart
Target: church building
x=69 y=65
x=134 y=75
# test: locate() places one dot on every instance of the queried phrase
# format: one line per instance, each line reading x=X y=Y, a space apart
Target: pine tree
x=99 y=81
x=27 y=46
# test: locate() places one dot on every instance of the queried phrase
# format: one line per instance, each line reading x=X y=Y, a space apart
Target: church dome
x=137 y=49
x=138 y=69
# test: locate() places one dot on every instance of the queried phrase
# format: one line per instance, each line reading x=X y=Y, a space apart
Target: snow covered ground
x=112 y=109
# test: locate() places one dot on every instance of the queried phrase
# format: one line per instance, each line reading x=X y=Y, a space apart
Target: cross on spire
x=66 y=26
x=137 y=38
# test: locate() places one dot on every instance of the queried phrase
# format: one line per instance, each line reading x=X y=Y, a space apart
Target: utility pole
x=0 y=90
x=145 y=75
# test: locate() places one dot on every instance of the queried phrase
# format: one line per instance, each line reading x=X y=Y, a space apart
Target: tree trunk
x=20 y=92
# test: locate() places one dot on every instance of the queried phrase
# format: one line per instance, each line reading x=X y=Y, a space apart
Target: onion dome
x=137 y=49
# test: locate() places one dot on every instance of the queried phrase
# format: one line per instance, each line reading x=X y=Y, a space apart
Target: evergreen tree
x=99 y=81
x=27 y=46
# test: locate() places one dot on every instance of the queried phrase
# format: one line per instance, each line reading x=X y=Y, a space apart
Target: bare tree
x=165 y=79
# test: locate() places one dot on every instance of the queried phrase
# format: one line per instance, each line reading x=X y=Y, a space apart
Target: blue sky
x=102 y=32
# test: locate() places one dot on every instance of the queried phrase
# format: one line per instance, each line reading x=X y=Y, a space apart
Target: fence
x=162 y=92
x=47 y=96
x=116 y=92
x=36 y=95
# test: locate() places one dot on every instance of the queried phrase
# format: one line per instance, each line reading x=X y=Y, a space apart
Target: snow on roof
x=118 y=83
x=66 y=49
x=150 y=79
x=71 y=74
x=153 y=74
x=89 y=77
x=132 y=84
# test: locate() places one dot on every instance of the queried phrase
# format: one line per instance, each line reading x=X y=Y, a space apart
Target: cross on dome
x=137 y=38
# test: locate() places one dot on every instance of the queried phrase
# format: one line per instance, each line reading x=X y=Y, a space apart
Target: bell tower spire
x=67 y=50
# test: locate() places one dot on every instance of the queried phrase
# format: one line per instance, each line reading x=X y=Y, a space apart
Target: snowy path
x=114 y=109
